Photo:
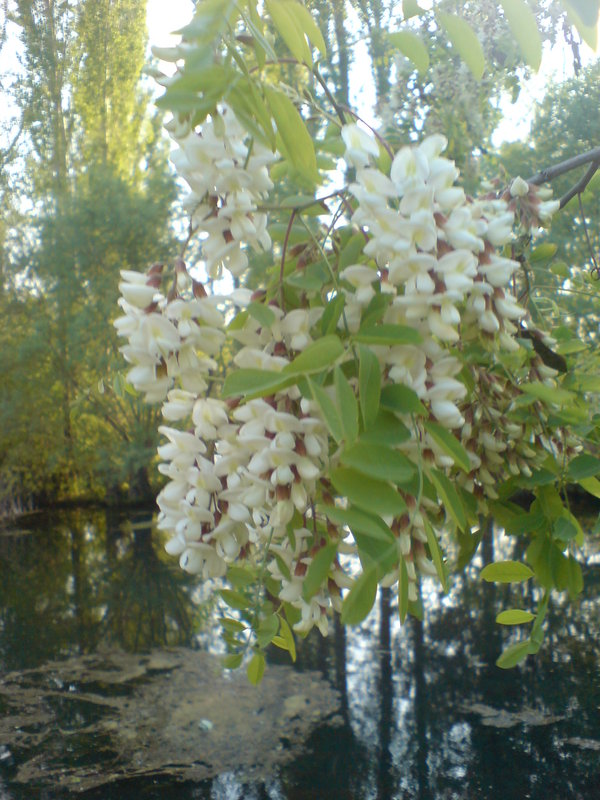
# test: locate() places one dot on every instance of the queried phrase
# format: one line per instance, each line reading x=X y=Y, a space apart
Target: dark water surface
x=421 y=711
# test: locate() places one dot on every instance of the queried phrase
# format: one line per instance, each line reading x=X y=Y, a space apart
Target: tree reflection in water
x=424 y=712
x=147 y=600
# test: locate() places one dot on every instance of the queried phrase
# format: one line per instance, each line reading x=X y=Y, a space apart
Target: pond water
x=107 y=689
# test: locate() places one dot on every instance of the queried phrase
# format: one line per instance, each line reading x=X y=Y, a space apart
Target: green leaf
x=360 y=521
x=268 y=628
x=296 y=141
x=211 y=18
x=359 y=600
x=232 y=660
x=375 y=540
x=317 y=356
x=574 y=346
x=401 y=399
x=318 y=570
x=378 y=461
x=388 y=335
x=411 y=46
x=330 y=413
x=376 y=543
x=347 y=405
x=587 y=10
x=464 y=39
x=564 y=530
x=255 y=382
x=232 y=625
x=506 y=572
x=387 y=429
x=351 y=251
x=186 y=101
x=541 y=555
x=436 y=555
x=591 y=485
x=402 y=591
x=543 y=252
x=262 y=314
x=577 y=16
x=369 y=384
x=548 y=394
x=288 y=636
x=376 y=309
x=550 y=501
x=411 y=8
x=415 y=608
x=307 y=25
x=536 y=637
x=256 y=668
x=451 y=501
x=514 y=616
x=561 y=269
x=468 y=544
x=239 y=577
x=574 y=578
x=367 y=493
x=283 y=567
x=332 y=313
x=290 y=31
x=238 y=322
x=279 y=641
x=449 y=444
x=235 y=599
x=310 y=279
x=583 y=466
x=513 y=655
x=524 y=28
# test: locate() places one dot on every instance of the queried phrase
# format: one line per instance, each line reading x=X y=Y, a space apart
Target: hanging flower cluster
x=274 y=469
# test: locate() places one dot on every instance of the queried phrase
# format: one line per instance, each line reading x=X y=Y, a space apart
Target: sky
x=165 y=16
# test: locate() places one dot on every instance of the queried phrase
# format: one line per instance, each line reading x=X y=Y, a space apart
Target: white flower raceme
x=227 y=172
x=248 y=480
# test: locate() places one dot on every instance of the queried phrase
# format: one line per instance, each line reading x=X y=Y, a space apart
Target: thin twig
x=189 y=237
x=581 y=184
x=323 y=83
x=595 y=270
x=283 y=254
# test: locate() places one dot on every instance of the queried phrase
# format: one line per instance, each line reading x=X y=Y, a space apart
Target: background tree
x=100 y=200
x=566 y=121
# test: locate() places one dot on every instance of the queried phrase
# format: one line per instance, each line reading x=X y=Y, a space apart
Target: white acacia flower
x=137 y=294
x=433 y=145
x=372 y=187
x=547 y=209
x=360 y=146
x=498 y=270
x=202 y=559
x=362 y=279
x=462 y=231
x=208 y=415
x=444 y=331
x=144 y=379
x=410 y=169
x=500 y=229
x=179 y=404
x=519 y=187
